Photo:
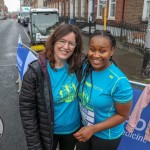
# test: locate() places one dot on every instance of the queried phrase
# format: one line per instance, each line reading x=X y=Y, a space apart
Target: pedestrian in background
x=48 y=100
x=105 y=96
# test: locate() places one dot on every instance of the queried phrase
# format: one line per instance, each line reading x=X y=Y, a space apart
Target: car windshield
x=41 y=22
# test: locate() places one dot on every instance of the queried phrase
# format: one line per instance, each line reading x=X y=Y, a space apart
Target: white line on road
x=7 y=65
x=26 y=34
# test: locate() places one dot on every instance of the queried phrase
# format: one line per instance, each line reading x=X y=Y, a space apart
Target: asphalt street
x=12 y=135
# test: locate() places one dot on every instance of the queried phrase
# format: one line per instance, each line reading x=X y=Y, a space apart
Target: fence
x=129 y=36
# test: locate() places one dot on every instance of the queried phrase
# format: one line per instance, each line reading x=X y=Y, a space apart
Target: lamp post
x=146 y=59
x=104 y=4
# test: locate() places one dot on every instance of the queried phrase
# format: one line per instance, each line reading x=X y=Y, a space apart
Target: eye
x=72 y=44
x=62 y=42
x=91 y=49
x=102 y=51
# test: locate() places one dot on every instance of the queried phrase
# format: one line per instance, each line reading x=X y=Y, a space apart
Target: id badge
x=87 y=115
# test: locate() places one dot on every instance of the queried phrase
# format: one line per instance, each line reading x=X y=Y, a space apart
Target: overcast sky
x=13 y=5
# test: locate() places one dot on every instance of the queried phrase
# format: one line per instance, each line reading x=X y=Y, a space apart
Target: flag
x=24 y=57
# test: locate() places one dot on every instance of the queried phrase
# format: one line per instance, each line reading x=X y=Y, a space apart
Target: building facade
x=3 y=9
x=127 y=11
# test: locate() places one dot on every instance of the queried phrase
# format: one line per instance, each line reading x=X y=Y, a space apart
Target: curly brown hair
x=61 y=31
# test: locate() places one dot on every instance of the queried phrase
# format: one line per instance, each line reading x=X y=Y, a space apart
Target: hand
x=84 y=133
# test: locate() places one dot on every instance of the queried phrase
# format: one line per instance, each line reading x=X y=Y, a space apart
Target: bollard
x=89 y=26
x=146 y=59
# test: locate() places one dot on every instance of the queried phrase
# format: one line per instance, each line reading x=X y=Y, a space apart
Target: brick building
x=127 y=11
x=1 y=7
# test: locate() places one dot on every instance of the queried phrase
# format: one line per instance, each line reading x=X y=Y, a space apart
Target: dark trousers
x=95 y=143
x=65 y=142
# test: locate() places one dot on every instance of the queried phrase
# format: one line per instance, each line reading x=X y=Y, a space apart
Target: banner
x=136 y=140
x=24 y=57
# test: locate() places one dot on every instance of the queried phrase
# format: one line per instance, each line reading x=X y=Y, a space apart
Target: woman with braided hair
x=105 y=96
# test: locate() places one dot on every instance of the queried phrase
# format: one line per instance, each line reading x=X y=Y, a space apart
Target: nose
x=66 y=45
x=96 y=54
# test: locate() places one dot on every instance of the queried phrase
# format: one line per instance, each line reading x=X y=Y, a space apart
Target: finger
x=82 y=140
x=76 y=134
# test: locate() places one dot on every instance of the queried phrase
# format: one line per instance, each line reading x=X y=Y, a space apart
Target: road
x=13 y=135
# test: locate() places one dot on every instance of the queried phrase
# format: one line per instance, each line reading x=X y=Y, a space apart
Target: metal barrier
x=140 y=123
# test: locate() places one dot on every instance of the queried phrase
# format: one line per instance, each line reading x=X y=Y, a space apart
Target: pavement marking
x=7 y=65
x=26 y=34
x=1 y=127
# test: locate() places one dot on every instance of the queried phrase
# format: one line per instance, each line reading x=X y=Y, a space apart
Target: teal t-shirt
x=66 y=107
x=98 y=97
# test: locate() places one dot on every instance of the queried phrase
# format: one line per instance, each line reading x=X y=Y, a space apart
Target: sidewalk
x=129 y=63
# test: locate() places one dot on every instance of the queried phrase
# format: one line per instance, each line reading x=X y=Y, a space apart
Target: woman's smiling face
x=64 y=47
x=99 y=52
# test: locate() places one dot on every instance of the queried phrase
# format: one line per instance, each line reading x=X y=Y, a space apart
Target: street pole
x=146 y=59
x=105 y=18
x=104 y=2
x=122 y=24
x=90 y=18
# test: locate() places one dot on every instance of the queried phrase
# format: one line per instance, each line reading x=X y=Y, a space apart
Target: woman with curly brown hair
x=48 y=99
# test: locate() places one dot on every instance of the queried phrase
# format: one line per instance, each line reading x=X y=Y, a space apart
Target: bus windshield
x=43 y=22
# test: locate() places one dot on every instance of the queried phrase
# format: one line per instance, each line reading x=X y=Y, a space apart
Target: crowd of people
x=68 y=101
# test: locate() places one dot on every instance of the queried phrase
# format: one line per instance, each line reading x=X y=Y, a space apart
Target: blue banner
x=136 y=140
x=24 y=57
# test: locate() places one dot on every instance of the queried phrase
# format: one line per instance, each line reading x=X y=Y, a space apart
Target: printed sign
x=136 y=140
x=1 y=128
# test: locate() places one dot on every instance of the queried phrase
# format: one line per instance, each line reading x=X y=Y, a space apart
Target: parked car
x=24 y=18
x=18 y=18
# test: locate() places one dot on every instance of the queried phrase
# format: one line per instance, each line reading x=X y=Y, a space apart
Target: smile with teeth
x=96 y=61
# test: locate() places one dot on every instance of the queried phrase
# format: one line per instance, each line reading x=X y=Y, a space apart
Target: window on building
x=76 y=8
x=83 y=8
x=66 y=8
x=99 y=9
x=112 y=9
x=146 y=10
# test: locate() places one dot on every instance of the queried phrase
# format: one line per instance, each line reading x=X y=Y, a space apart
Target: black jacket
x=36 y=107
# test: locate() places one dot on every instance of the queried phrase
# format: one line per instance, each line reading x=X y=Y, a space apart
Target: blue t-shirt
x=98 y=97
x=66 y=108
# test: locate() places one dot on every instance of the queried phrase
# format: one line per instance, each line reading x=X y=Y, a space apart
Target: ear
x=112 y=51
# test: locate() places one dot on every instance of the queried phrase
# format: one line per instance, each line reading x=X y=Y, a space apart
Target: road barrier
x=140 y=124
